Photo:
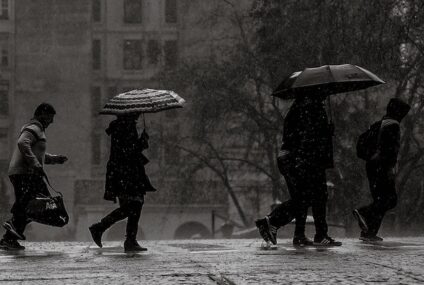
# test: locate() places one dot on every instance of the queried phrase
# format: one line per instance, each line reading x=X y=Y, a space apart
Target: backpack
x=367 y=143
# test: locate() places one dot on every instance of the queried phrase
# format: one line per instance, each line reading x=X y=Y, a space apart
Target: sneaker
x=11 y=228
x=302 y=241
x=370 y=238
x=133 y=246
x=10 y=245
x=326 y=241
x=361 y=220
x=267 y=231
x=96 y=234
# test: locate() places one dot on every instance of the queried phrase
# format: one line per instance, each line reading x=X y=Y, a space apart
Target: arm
x=54 y=159
x=25 y=141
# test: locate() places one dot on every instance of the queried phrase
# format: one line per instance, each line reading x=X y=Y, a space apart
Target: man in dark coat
x=305 y=155
x=126 y=179
x=26 y=173
x=381 y=172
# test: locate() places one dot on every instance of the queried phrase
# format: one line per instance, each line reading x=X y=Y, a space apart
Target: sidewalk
x=395 y=261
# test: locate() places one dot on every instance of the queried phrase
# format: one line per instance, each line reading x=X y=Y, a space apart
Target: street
x=395 y=261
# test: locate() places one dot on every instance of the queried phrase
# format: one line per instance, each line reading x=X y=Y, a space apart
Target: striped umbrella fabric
x=143 y=101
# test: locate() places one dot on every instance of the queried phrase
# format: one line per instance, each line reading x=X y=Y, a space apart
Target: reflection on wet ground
x=394 y=261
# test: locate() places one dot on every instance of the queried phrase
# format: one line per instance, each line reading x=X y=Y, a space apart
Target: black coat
x=307 y=134
x=125 y=176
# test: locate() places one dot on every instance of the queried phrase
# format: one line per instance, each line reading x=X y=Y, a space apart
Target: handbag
x=48 y=210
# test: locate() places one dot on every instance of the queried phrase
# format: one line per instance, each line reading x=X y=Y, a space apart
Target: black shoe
x=361 y=220
x=302 y=241
x=11 y=228
x=10 y=245
x=326 y=241
x=96 y=234
x=267 y=231
x=370 y=238
x=133 y=246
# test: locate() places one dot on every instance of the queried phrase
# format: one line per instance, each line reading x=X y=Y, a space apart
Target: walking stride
x=26 y=173
x=380 y=147
x=305 y=155
x=126 y=179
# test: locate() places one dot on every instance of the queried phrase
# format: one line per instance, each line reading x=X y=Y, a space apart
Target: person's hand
x=60 y=159
x=38 y=169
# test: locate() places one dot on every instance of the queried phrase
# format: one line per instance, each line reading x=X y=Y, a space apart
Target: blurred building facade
x=78 y=54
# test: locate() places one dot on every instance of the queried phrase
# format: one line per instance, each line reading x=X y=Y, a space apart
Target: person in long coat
x=305 y=154
x=126 y=179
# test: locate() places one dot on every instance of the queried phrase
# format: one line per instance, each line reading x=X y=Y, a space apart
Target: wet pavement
x=223 y=262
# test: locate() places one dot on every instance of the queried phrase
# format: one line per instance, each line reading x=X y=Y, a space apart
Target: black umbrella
x=327 y=79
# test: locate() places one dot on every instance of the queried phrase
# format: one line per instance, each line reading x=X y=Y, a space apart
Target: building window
x=96 y=100
x=4 y=15
x=96 y=151
x=97 y=10
x=4 y=145
x=132 y=11
x=171 y=53
x=97 y=49
x=112 y=91
x=171 y=11
x=133 y=55
x=153 y=51
x=4 y=50
x=4 y=98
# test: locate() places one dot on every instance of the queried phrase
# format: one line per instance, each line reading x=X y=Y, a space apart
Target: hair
x=44 y=109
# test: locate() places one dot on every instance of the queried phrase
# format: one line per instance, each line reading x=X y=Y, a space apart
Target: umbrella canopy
x=143 y=101
x=327 y=79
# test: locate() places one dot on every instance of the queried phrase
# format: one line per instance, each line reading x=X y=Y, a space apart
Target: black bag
x=48 y=210
x=367 y=143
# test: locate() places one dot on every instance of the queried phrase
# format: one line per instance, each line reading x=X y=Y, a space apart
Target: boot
x=97 y=231
x=131 y=245
x=10 y=244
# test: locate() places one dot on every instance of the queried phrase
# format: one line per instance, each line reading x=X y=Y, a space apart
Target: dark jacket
x=125 y=176
x=389 y=137
x=307 y=134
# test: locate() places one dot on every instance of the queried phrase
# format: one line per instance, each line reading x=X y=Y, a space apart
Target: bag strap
x=48 y=182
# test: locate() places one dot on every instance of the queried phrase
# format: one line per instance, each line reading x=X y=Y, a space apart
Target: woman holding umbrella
x=126 y=179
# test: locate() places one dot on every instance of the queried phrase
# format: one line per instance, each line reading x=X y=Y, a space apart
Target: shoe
x=302 y=241
x=11 y=228
x=370 y=238
x=133 y=246
x=361 y=220
x=10 y=245
x=326 y=241
x=267 y=231
x=96 y=234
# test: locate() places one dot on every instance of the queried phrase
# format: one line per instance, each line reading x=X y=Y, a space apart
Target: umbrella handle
x=144 y=122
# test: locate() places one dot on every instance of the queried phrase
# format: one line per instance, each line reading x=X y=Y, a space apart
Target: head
x=397 y=109
x=44 y=113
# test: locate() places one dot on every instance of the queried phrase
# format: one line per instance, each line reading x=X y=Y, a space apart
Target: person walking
x=305 y=154
x=381 y=172
x=26 y=173
x=126 y=179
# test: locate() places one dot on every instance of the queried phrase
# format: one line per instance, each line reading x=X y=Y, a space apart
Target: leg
x=385 y=198
x=319 y=201
x=134 y=213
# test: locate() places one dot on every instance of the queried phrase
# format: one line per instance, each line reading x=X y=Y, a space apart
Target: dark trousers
x=26 y=187
x=383 y=191
x=307 y=188
x=130 y=209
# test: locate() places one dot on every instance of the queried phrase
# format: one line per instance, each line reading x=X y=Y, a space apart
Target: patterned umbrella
x=142 y=101
x=327 y=79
